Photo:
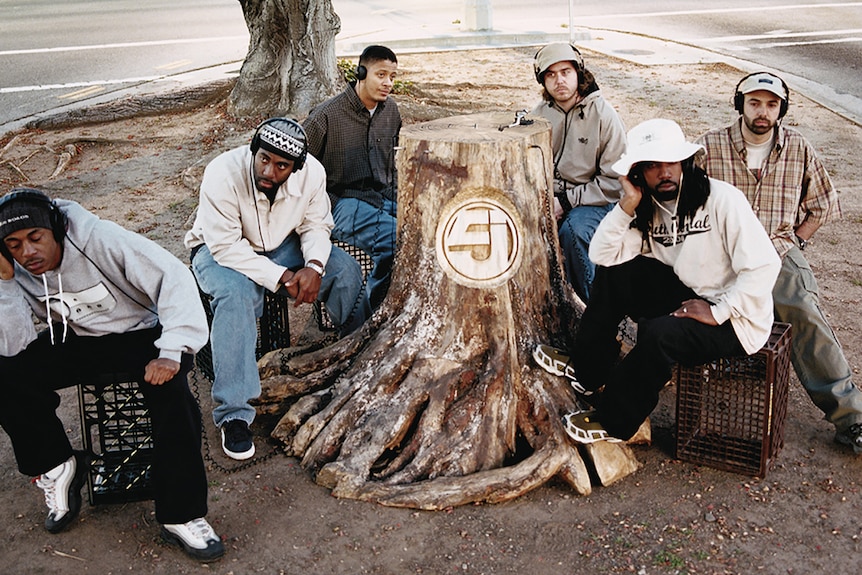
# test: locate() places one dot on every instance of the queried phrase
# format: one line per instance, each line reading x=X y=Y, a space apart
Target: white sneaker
x=196 y=537
x=62 y=486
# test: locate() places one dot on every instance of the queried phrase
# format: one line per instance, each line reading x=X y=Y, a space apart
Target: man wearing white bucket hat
x=682 y=255
x=587 y=136
x=792 y=195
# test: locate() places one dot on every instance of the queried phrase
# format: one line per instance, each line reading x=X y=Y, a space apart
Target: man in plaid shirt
x=791 y=193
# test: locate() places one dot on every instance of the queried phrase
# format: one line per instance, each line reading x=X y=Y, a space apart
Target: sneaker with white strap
x=196 y=537
x=62 y=487
x=556 y=361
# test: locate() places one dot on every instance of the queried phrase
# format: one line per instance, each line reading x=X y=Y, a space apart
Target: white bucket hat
x=655 y=141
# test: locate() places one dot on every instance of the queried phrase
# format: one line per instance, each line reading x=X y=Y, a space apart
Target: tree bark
x=436 y=401
x=290 y=66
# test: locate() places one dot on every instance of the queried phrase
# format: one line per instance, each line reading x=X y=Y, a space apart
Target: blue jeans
x=815 y=352
x=372 y=230
x=576 y=232
x=237 y=302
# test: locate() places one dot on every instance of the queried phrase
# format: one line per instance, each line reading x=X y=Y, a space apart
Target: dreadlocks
x=692 y=196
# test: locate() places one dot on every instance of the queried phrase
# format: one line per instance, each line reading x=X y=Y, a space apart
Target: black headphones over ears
x=293 y=129
x=739 y=97
x=361 y=71
x=34 y=196
x=577 y=59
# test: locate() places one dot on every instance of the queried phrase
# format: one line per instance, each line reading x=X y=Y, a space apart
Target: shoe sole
x=550 y=365
x=585 y=436
x=82 y=468
x=201 y=555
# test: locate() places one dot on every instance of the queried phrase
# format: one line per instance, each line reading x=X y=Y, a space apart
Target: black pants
x=29 y=402
x=647 y=291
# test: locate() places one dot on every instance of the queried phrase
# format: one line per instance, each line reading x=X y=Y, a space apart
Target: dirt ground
x=669 y=517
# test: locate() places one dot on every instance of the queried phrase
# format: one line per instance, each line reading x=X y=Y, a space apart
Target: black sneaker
x=236 y=439
x=62 y=486
x=852 y=436
x=196 y=537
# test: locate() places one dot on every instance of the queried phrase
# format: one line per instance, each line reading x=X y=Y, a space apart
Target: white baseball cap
x=655 y=140
x=763 y=81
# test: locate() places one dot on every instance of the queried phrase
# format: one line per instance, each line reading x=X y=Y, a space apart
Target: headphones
x=292 y=129
x=362 y=71
x=34 y=196
x=539 y=68
x=739 y=97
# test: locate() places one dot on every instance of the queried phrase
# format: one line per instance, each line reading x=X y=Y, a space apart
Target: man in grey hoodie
x=587 y=136
x=113 y=301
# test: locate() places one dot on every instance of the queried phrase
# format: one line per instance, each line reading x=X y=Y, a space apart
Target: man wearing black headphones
x=263 y=223
x=587 y=136
x=113 y=302
x=792 y=195
x=354 y=135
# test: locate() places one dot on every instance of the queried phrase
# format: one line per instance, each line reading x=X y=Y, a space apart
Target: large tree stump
x=436 y=401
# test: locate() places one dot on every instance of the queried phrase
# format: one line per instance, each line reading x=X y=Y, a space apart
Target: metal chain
x=208 y=457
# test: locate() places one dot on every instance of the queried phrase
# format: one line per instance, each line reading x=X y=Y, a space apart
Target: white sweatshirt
x=723 y=255
x=237 y=222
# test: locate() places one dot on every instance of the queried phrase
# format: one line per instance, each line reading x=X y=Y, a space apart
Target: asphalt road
x=56 y=53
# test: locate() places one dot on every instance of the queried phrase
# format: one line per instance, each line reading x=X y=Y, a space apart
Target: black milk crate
x=116 y=427
x=730 y=412
x=365 y=263
x=273 y=330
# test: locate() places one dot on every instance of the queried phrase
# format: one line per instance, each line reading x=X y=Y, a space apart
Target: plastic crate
x=273 y=330
x=116 y=427
x=730 y=412
x=365 y=263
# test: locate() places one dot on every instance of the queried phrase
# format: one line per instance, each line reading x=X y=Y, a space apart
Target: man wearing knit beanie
x=67 y=267
x=263 y=223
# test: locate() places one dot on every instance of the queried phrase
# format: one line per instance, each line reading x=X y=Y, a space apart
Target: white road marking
x=66 y=86
x=120 y=45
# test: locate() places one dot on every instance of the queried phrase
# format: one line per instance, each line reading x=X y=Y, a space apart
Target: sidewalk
x=641 y=50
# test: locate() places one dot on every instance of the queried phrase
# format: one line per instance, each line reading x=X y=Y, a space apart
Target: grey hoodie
x=110 y=280
x=586 y=143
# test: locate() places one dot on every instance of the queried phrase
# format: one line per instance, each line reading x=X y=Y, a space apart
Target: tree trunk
x=436 y=401
x=291 y=64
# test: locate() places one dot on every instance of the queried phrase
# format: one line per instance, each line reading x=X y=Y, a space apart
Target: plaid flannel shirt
x=793 y=184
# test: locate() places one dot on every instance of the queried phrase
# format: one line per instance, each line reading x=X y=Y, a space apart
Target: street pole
x=572 y=22
x=477 y=15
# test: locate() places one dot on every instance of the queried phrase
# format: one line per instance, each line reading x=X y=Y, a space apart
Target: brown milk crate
x=730 y=412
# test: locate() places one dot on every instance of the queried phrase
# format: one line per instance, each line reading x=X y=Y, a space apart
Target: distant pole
x=571 y=21
x=477 y=15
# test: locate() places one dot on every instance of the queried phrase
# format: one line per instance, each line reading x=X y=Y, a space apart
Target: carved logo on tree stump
x=478 y=239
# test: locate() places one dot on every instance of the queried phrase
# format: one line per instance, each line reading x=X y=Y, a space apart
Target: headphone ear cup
x=58 y=223
x=361 y=72
x=738 y=102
